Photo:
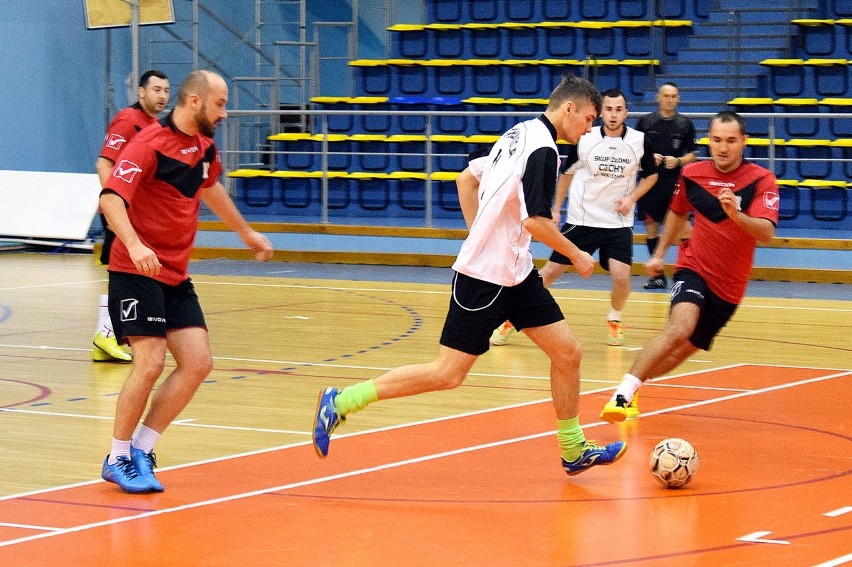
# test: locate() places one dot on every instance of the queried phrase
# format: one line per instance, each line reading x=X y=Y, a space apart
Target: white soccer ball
x=674 y=462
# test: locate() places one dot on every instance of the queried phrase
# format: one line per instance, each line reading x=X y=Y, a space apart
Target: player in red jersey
x=151 y=201
x=735 y=205
x=153 y=96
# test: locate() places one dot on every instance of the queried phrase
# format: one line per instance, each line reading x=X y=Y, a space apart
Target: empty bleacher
x=476 y=66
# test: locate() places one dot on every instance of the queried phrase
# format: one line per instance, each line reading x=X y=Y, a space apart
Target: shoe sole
x=613 y=416
x=100 y=355
x=128 y=490
x=597 y=464
x=313 y=433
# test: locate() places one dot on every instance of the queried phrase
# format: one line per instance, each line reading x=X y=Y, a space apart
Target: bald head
x=202 y=99
x=199 y=83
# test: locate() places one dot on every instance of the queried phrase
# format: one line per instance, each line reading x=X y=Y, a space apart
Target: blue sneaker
x=327 y=420
x=145 y=463
x=125 y=475
x=594 y=455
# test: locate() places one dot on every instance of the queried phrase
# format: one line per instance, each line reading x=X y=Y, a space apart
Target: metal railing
x=237 y=155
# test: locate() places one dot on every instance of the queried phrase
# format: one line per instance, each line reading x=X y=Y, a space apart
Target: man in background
x=672 y=137
x=152 y=98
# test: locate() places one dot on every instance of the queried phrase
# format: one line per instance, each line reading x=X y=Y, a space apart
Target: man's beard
x=204 y=125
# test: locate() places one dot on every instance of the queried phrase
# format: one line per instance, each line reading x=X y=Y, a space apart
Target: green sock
x=571 y=438
x=356 y=397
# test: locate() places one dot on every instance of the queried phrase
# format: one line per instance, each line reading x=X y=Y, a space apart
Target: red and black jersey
x=719 y=250
x=160 y=175
x=122 y=128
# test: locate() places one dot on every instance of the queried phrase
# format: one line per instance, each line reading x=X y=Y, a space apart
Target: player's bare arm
x=216 y=197
x=622 y=205
x=468 y=187
x=672 y=227
x=761 y=229
x=563 y=186
x=114 y=209
x=543 y=230
x=104 y=168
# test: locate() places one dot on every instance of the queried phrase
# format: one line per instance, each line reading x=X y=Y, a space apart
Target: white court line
x=56 y=284
x=745 y=305
x=180 y=422
x=838 y=561
x=395 y=464
x=29 y=527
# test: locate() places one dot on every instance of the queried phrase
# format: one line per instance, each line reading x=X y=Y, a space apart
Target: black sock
x=652 y=244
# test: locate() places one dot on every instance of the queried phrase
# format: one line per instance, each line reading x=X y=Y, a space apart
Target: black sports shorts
x=615 y=243
x=655 y=203
x=140 y=306
x=715 y=312
x=478 y=307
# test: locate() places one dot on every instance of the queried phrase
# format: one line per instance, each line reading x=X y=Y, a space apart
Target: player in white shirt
x=495 y=279
x=604 y=174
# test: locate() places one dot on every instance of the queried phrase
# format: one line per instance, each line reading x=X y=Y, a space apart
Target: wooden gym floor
x=468 y=477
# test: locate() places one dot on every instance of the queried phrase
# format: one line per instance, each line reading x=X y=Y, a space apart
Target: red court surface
x=774 y=489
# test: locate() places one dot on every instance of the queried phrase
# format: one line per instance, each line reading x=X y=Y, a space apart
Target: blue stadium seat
x=337 y=123
x=817 y=37
x=486 y=41
x=841 y=8
x=786 y=77
x=555 y=10
x=559 y=40
x=599 y=38
x=484 y=10
x=447 y=201
x=254 y=191
x=448 y=124
x=372 y=77
x=409 y=150
x=845 y=35
x=410 y=78
x=450 y=152
x=829 y=200
x=409 y=190
x=524 y=76
x=524 y=11
x=810 y=157
x=522 y=40
x=294 y=151
x=791 y=205
x=370 y=152
x=799 y=127
x=447 y=11
x=373 y=192
x=838 y=127
x=758 y=150
x=410 y=124
x=830 y=77
x=374 y=122
x=447 y=42
x=487 y=77
x=754 y=126
x=489 y=124
x=843 y=149
x=410 y=42
x=632 y=9
x=446 y=78
x=593 y=9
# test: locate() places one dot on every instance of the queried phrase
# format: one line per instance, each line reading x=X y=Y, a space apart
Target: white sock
x=104 y=322
x=145 y=438
x=119 y=449
x=628 y=387
x=614 y=315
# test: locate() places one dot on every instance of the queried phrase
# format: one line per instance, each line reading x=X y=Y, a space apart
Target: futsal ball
x=674 y=462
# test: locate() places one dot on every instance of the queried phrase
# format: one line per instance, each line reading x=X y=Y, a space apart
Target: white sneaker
x=501 y=334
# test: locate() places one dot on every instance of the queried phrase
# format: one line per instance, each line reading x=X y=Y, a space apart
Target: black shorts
x=687 y=286
x=478 y=307
x=143 y=307
x=655 y=203
x=109 y=238
x=615 y=243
